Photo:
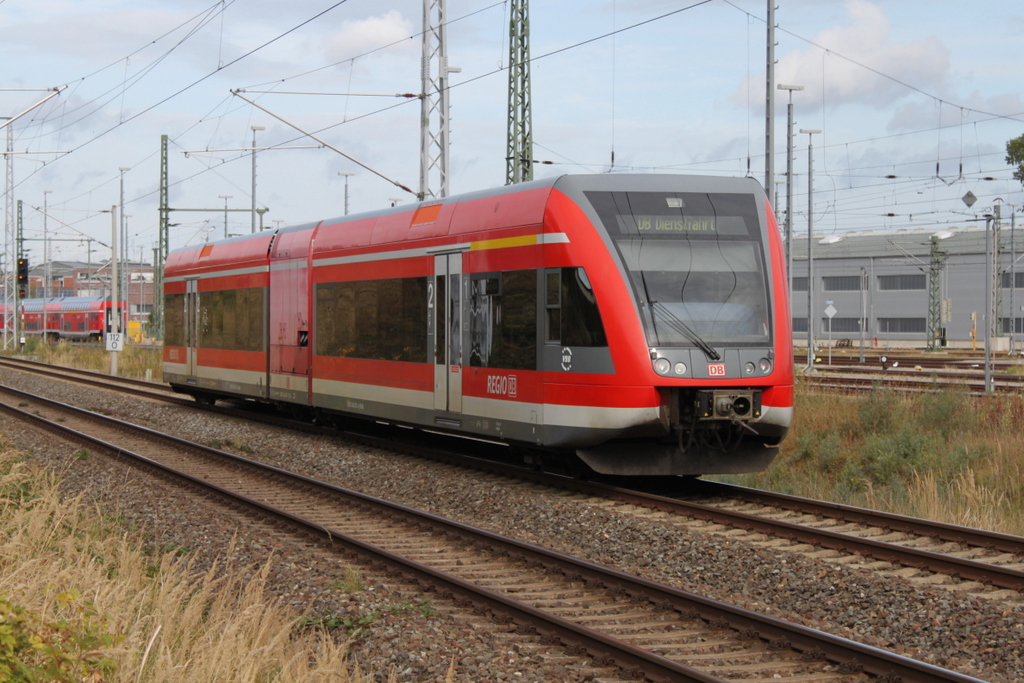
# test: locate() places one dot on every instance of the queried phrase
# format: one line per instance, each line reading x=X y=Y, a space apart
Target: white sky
x=897 y=86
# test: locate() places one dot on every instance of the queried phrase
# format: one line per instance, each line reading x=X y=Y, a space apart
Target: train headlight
x=680 y=368
x=749 y=368
x=662 y=366
x=764 y=365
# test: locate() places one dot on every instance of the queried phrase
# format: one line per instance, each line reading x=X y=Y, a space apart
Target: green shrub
x=949 y=413
x=878 y=410
x=69 y=649
x=884 y=456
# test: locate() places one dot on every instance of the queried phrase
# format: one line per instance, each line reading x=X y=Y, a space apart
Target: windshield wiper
x=685 y=330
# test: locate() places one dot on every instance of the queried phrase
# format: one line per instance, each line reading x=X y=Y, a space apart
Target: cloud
x=355 y=37
x=855 y=56
x=914 y=115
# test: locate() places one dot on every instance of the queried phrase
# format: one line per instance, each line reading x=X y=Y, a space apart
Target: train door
x=191 y=325
x=445 y=324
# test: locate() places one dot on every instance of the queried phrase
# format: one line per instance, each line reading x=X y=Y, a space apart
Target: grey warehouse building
x=879 y=288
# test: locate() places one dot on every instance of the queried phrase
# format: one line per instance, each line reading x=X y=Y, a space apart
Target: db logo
x=716 y=369
x=503 y=385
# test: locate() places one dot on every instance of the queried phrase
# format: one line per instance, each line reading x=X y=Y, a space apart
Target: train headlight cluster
x=664 y=367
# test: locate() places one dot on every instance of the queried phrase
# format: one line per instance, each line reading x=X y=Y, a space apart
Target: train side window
x=573 y=318
x=503 y=320
x=581 y=319
x=441 y=324
x=232 y=319
x=377 y=319
x=174 y=319
x=484 y=316
x=553 y=328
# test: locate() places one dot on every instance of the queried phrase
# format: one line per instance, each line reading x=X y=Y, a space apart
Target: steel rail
x=989 y=574
x=983 y=538
x=855 y=656
x=973 y=570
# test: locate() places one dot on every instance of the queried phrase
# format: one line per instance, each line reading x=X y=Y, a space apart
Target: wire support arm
x=238 y=93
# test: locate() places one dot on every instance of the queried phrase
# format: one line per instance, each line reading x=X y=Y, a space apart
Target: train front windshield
x=696 y=264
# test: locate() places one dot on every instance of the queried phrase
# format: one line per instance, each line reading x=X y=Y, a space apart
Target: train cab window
x=503 y=320
x=696 y=263
x=573 y=318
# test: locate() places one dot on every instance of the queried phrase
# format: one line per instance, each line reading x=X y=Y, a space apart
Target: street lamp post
x=1013 y=276
x=115 y=304
x=254 y=129
x=126 y=278
x=46 y=247
x=225 y=197
x=810 y=245
x=988 y=302
x=789 y=182
x=863 y=309
x=123 y=255
x=347 y=175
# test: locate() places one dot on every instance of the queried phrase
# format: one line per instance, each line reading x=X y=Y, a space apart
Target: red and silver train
x=637 y=322
x=79 y=318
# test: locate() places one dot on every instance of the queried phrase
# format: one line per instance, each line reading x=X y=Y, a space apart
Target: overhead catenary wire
x=596 y=165
x=220 y=68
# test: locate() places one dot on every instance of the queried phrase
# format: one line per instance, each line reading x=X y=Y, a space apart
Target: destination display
x=687 y=215
x=666 y=224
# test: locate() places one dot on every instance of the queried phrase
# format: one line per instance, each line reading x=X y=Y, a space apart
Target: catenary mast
x=434 y=141
x=519 y=155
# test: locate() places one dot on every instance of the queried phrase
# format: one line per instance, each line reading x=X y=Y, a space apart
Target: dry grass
x=962 y=500
x=948 y=457
x=106 y=611
x=133 y=361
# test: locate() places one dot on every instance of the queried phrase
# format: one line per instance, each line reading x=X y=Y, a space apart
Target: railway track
x=938 y=360
x=983 y=563
x=857 y=381
x=916 y=374
x=641 y=628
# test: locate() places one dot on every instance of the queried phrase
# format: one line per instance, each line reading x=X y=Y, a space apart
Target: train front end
x=697 y=315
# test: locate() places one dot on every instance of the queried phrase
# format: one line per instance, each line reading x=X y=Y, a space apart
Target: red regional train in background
x=639 y=323
x=79 y=318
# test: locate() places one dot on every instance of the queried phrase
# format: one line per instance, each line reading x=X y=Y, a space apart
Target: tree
x=1015 y=156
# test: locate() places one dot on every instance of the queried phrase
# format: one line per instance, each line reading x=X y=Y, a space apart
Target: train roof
x=391 y=219
x=570 y=184
x=65 y=303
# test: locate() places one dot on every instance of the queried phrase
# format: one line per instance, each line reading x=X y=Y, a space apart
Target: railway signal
x=22 y=276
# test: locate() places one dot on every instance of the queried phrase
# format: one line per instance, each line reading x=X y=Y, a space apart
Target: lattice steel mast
x=519 y=155
x=156 y=320
x=936 y=261
x=434 y=69
x=12 y=248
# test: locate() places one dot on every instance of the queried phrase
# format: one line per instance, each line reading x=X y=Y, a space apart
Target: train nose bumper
x=664 y=459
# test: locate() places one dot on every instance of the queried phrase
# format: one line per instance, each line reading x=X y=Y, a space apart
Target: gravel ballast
x=418 y=639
